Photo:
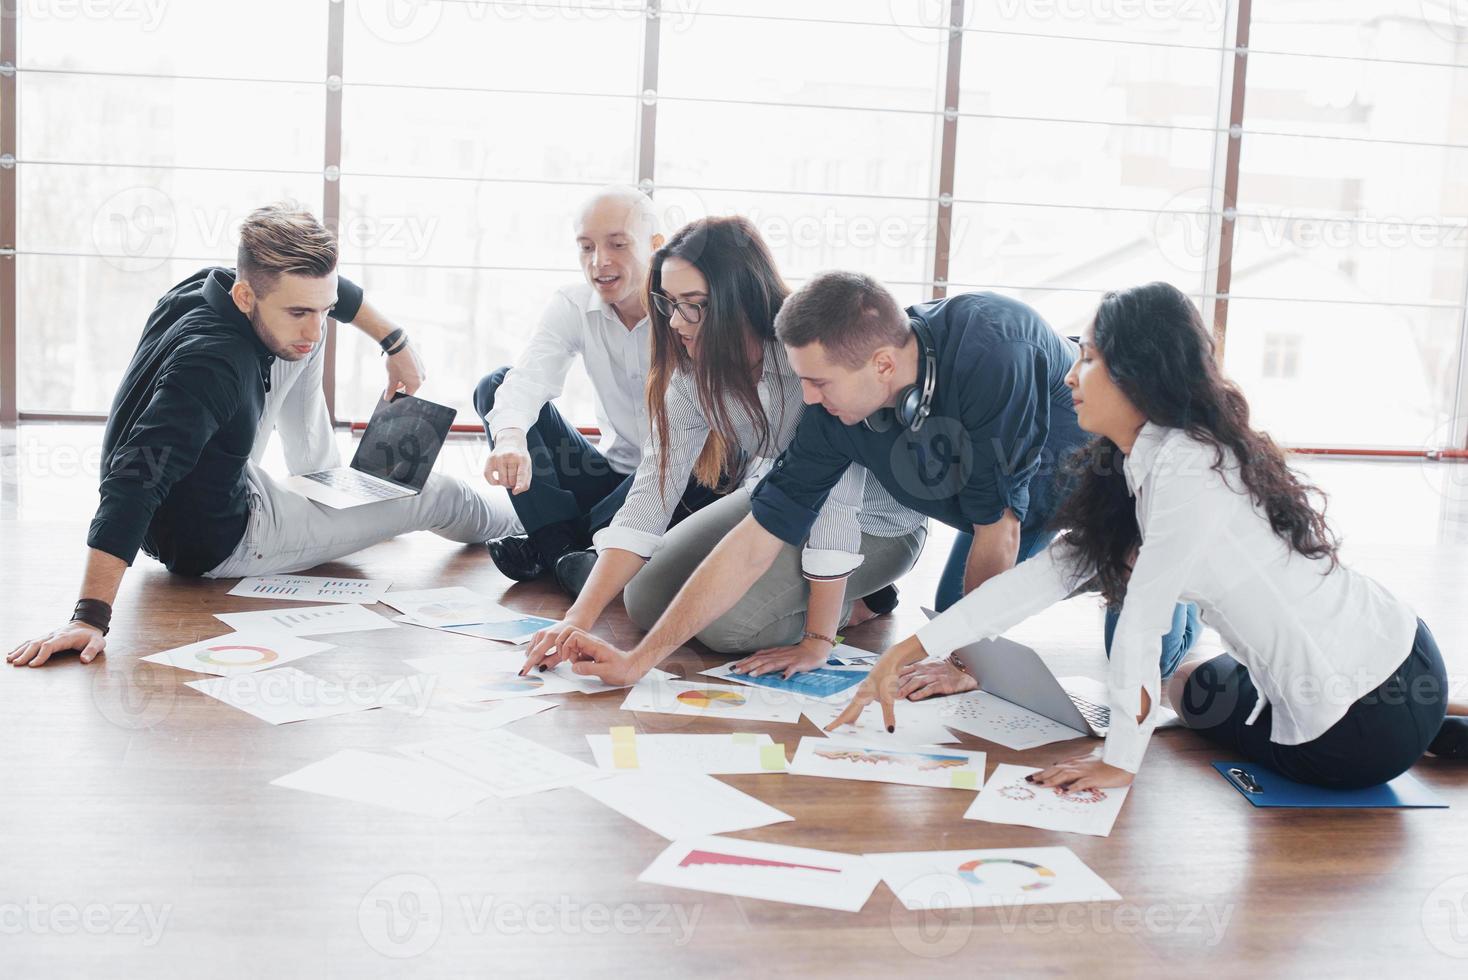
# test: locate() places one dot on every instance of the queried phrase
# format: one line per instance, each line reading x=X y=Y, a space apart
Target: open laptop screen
x=403 y=439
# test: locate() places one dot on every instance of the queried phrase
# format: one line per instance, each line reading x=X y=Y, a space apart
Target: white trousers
x=287 y=532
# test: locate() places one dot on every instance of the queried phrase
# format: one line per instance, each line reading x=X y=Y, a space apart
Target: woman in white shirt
x=723 y=402
x=1331 y=679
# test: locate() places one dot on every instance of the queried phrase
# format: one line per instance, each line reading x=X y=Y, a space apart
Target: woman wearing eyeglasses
x=1329 y=679
x=723 y=403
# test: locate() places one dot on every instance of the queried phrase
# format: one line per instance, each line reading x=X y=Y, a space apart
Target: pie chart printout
x=225 y=655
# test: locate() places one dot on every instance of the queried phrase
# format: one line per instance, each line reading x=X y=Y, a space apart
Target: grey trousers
x=288 y=532
x=772 y=612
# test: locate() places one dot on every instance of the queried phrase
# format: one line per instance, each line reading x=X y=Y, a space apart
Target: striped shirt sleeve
x=833 y=549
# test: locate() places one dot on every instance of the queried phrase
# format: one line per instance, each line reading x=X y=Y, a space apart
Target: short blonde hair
x=283 y=238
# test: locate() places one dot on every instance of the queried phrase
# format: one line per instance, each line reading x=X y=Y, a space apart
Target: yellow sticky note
x=963 y=780
x=624 y=747
x=745 y=738
x=772 y=757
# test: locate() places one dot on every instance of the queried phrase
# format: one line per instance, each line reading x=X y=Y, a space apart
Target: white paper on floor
x=472 y=662
x=453 y=606
x=483 y=717
x=773 y=872
x=850 y=656
x=518 y=629
x=1007 y=798
x=994 y=719
x=591 y=684
x=677 y=805
x=388 y=781
x=986 y=878
x=489 y=675
x=309 y=620
x=708 y=700
x=481 y=661
x=914 y=727
x=286 y=695
x=508 y=764
x=841 y=758
x=238 y=653
x=312 y=588
x=739 y=752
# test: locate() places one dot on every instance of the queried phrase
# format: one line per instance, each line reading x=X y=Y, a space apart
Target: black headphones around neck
x=915 y=401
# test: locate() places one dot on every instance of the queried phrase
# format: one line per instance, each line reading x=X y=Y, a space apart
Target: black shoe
x=1452 y=739
x=573 y=569
x=882 y=601
x=516 y=558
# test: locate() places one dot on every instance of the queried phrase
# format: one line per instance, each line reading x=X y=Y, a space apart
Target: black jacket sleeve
x=197 y=391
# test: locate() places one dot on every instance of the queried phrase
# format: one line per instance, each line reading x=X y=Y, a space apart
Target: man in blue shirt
x=958 y=407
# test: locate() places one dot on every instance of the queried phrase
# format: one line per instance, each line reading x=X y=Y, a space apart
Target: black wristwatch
x=93 y=612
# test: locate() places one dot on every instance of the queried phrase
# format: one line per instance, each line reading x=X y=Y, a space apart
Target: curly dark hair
x=1157 y=350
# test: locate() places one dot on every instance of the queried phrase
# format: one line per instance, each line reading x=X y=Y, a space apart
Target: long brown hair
x=745 y=291
x=1159 y=353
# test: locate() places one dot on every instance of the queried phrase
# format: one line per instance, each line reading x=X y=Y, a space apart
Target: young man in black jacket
x=226 y=359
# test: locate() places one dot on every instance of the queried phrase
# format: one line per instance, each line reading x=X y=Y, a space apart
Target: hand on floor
x=1086 y=772
x=797 y=658
x=73 y=636
x=933 y=677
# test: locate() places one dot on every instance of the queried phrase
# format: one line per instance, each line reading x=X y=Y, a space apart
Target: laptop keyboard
x=1099 y=715
x=350 y=481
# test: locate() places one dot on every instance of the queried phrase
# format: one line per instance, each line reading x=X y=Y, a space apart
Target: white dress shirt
x=576 y=321
x=856 y=504
x=1314 y=638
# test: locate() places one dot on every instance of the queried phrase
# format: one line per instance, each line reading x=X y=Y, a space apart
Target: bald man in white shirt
x=563 y=488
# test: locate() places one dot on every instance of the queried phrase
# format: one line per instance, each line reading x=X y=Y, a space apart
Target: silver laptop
x=1018 y=674
x=397 y=453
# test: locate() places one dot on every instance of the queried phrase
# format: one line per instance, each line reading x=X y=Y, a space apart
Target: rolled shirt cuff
x=787 y=520
x=626 y=539
x=1126 y=741
x=946 y=632
x=1125 y=746
x=348 y=301
x=499 y=419
x=824 y=563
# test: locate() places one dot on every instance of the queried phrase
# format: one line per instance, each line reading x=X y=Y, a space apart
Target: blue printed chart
x=821 y=684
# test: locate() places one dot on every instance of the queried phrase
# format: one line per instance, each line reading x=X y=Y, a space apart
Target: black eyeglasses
x=691 y=312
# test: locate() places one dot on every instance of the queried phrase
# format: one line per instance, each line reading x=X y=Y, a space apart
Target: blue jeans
x=1175 y=645
x=1178 y=641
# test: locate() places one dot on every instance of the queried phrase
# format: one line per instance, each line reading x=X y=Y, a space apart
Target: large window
x=1353 y=229
x=1049 y=149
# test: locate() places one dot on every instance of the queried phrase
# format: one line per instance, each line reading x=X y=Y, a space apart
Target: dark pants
x=1381 y=735
x=572 y=487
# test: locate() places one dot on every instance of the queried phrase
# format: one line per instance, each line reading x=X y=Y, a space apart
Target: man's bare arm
x=102 y=579
x=994 y=550
x=405 y=371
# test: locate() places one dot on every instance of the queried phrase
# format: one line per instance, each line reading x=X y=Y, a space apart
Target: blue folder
x=1264 y=787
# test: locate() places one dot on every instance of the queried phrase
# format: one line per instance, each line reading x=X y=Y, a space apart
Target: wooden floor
x=142 y=837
